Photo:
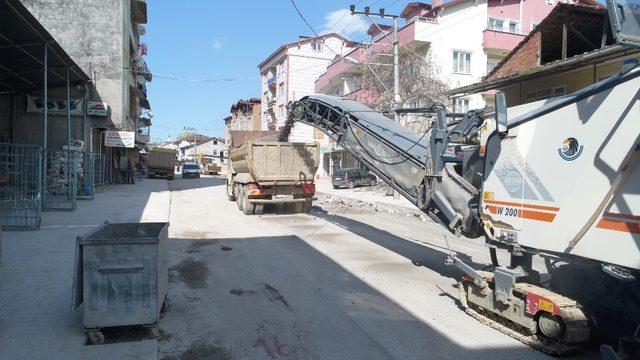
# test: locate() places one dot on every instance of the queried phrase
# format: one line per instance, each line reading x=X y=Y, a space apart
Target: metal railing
x=61 y=179
x=20 y=186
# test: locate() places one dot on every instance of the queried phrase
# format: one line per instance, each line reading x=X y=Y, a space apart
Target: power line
x=342 y=17
x=309 y=25
x=176 y=77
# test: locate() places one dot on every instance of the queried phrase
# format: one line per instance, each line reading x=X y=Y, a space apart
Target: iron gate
x=99 y=172
x=20 y=186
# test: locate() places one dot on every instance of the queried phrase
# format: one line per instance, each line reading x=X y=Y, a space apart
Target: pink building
x=462 y=39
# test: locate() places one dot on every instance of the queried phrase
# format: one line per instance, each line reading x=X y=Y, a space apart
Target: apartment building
x=245 y=115
x=461 y=39
x=103 y=38
x=290 y=72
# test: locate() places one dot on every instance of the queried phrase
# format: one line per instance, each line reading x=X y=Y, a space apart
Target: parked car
x=352 y=178
x=190 y=169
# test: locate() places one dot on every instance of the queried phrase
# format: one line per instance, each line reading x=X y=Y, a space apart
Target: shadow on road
x=205 y=181
x=278 y=297
x=420 y=255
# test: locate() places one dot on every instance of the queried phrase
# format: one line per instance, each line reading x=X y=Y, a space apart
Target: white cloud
x=217 y=44
x=342 y=22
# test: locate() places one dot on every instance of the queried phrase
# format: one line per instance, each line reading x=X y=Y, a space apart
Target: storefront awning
x=22 y=52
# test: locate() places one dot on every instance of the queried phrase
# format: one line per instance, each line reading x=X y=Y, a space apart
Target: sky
x=202 y=41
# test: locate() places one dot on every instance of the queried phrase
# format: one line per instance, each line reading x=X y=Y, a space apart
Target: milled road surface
x=344 y=282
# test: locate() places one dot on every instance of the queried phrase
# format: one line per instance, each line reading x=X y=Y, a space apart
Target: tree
x=419 y=87
x=186 y=135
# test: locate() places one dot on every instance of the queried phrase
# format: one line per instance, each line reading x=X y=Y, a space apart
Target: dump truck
x=162 y=162
x=208 y=166
x=265 y=171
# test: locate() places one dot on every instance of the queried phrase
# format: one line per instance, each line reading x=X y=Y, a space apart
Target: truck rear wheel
x=247 y=207
x=307 y=205
x=239 y=196
x=231 y=196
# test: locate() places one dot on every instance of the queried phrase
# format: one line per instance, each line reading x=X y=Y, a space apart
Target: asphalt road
x=347 y=281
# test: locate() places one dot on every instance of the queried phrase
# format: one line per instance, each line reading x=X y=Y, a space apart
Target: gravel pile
x=339 y=205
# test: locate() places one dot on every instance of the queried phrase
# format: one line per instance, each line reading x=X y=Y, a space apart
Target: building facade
x=214 y=149
x=245 y=116
x=549 y=63
x=461 y=40
x=290 y=72
x=103 y=37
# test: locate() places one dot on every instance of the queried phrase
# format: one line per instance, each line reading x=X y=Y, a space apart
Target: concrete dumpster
x=121 y=276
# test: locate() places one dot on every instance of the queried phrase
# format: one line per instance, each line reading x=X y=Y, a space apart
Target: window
x=215 y=152
x=317 y=45
x=550 y=2
x=281 y=89
x=460 y=106
x=491 y=63
x=215 y=142
x=545 y=93
x=534 y=25
x=461 y=62
x=496 y=24
x=513 y=27
x=281 y=111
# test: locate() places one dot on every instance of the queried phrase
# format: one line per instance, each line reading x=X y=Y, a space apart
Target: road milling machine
x=557 y=178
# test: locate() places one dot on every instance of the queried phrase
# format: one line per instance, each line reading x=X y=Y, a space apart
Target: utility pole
x=396 y=65
x=195 y=142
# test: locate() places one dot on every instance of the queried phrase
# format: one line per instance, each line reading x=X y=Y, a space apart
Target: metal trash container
x=121 y=276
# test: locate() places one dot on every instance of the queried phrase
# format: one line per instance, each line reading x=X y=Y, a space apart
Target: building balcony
x=140 y=11
x=271 y=82
x=362 y=96
x=347 y=64
x=499 y=42
x=353 y=62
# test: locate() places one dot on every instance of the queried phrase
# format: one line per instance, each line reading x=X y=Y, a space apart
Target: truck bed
x=276 y=162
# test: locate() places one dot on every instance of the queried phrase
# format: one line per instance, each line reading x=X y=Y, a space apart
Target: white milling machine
x=556 y=178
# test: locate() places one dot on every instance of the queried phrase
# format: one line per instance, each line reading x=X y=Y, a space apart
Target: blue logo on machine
x=570 y=149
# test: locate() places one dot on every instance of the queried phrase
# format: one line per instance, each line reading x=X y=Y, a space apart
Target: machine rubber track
x=576 y=323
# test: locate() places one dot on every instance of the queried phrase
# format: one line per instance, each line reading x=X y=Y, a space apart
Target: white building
x=214 y=148
x=290 y=73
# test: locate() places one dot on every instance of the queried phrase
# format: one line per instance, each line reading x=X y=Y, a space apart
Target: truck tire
x=307 y=205
x=335 y=186
x=247 y=207
x=230 y=195
x=239 y=195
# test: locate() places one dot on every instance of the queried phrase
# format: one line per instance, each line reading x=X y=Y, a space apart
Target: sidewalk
x=365 y=194
x=36 y=320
